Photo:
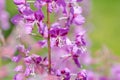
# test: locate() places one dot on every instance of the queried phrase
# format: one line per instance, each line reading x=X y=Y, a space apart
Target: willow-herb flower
x=63 y=60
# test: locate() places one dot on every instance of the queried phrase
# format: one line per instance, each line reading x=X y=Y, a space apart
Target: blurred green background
x=105 y=18
x=106 y=23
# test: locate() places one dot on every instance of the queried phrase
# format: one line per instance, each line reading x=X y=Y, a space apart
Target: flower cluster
x=63 y=59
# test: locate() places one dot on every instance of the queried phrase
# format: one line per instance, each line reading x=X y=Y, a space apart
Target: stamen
x=62 y=18
x=83 y=49
x=65 y=56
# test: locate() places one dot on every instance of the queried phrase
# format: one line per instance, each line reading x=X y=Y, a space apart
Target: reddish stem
x=48 y=40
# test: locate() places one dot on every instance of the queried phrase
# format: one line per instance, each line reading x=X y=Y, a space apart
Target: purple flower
x=75 y=53
x=75 y=16
x=4 y=16
x=42 y=29
x=28 y=28
x=16 y=58
x=29 y=17
x=26 y=14
x=22 y=49
x=2 y=5
x=62 y=3
x=75 y=10
x=79 y=20
x=28 y=71
x=58 y=35
x=19 y=2
x=39 y=15
x=65 y=73
x=91 y=75
x=19 y=68
x=22 y=8
x=4 y=20
x=81 y=76
x=19 y=76
x=50 y=8
x=39 y=3
x=34 y=64
x=57 y=31
x=16 y=19
x=79 y=40
x=103 y=78
x=37 y=59
x=42 y=43
x=76 y=60
x=115 y=72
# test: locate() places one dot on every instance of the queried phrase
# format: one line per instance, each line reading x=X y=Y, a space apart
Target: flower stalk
x=48 y=40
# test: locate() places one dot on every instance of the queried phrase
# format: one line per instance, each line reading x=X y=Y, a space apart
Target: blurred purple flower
x=4 y=16
x=19 y=76
x=82 y=75
x=115 y=71
x=19 y=2
x=16 y=19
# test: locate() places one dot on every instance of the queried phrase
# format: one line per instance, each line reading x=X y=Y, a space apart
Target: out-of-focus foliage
x=106 y=24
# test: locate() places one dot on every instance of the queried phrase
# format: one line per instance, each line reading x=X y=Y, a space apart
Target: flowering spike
x=63 y=52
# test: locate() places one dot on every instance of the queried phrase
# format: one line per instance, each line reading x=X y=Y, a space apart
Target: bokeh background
x=103 y=23
x=106 y=26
